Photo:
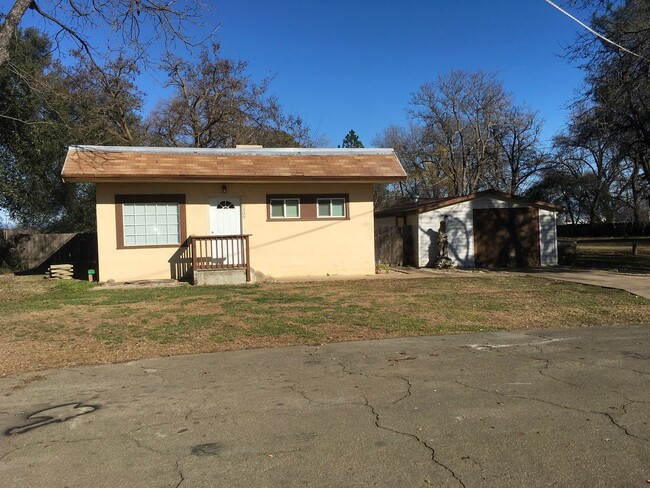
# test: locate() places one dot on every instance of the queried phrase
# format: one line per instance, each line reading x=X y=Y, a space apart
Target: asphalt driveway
x=545 y=408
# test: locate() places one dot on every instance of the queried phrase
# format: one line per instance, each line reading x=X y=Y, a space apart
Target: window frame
x=331 y=216
x=120 y=200
x=284 y=208
x=308 y=206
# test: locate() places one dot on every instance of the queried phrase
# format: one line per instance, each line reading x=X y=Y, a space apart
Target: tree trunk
x=635 y=195
x=9 y=27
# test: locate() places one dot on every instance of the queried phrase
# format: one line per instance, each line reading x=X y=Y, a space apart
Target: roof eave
x=428 y=207
x=233 y=179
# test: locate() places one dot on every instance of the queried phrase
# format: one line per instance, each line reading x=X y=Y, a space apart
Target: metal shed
x=485 y=229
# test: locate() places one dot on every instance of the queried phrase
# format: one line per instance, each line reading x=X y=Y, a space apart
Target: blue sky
x=354 y=65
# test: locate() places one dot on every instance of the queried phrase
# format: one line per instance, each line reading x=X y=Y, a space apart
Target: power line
x=593 y=31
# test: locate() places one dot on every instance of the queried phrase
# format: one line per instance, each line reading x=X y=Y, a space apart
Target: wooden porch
x=220 y=253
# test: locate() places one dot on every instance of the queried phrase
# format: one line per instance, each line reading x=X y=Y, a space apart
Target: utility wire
x=593 y=31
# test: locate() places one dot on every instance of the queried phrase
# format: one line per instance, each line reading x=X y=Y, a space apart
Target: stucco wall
x=460 y=232
x=277 y=248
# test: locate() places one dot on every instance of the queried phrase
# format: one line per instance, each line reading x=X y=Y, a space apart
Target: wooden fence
x=30 y=250
x=389 y=246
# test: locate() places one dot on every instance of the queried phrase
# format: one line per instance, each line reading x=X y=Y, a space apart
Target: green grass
x=132 y=323
x=614 y=253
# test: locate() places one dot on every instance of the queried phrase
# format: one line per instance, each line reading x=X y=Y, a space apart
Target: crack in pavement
x=409 y=386
x=559 y=405
x=548 y=363
x=142 y=445
x=408 y=390
x=180 y=473
x=377 y=420
x=347 y=371
x=547 y=375
x=10 y=452
x=196 y=408
x=547 y=366
x=294 y=388
x=613 y=421
x=176 y=464
x=422 y=442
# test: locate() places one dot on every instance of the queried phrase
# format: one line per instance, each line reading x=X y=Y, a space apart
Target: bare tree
x=459 y=113
x=216 y=104
x=618 y=78
x=133 y=25
x=424 y=178
x=111 y=92
x=518 y=156
x=588 y=151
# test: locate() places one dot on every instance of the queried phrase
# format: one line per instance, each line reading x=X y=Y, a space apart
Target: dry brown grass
x=47 y=324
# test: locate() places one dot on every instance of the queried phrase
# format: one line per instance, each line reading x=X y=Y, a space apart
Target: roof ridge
x=269 y=151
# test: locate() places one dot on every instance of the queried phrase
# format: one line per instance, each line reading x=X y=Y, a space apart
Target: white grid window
x=151 y=224
x=285 y=208
x=331 y=207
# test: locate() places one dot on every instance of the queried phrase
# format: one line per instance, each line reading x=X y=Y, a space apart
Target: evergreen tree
x=44 y=108
x=351 y=140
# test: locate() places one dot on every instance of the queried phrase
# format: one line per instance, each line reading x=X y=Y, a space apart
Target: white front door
x=225 y=220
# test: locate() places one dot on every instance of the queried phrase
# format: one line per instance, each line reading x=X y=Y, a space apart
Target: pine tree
x=351 y=140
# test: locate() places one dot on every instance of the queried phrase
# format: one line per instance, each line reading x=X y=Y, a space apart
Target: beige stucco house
x=225 y=215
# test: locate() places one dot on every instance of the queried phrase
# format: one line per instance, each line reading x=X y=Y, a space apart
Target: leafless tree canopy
x=465 y=134
x=130 y=25
x=216 y=104
x=602 y=169
x=459 y=114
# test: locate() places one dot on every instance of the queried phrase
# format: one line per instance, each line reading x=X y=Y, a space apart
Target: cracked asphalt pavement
x=568 y=407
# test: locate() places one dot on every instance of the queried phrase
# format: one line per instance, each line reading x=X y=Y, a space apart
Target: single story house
x=485 y=229
x=222 y=215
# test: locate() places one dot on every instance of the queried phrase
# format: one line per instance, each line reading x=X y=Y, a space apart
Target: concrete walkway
x=637 y=284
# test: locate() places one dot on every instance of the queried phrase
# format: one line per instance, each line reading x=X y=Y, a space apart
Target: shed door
x=506 y=237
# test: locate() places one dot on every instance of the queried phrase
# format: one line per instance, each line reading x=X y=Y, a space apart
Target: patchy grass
x=48 y=324
x=614 y=253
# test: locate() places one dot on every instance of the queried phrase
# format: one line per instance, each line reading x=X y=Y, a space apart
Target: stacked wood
x=61 y=271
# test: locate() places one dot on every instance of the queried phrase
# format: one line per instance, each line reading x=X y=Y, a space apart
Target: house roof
x=116 y=163
x=428 y=204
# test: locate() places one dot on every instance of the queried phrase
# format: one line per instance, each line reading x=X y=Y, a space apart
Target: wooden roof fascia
x=230 y=179
x=429 y=206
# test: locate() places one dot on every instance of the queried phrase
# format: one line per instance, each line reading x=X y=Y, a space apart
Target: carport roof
x=428 y=204
x=116 y=163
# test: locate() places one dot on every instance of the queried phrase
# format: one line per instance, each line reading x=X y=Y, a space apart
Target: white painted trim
x=330 y=199
x=289 y=151
x=284 y=208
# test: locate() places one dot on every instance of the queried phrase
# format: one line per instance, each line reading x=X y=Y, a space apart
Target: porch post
x=248 y=260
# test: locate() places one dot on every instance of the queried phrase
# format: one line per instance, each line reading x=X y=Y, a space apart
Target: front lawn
x=614 y=253
x=47 y=323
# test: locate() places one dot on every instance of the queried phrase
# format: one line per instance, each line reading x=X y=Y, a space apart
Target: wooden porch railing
x=221 y=252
